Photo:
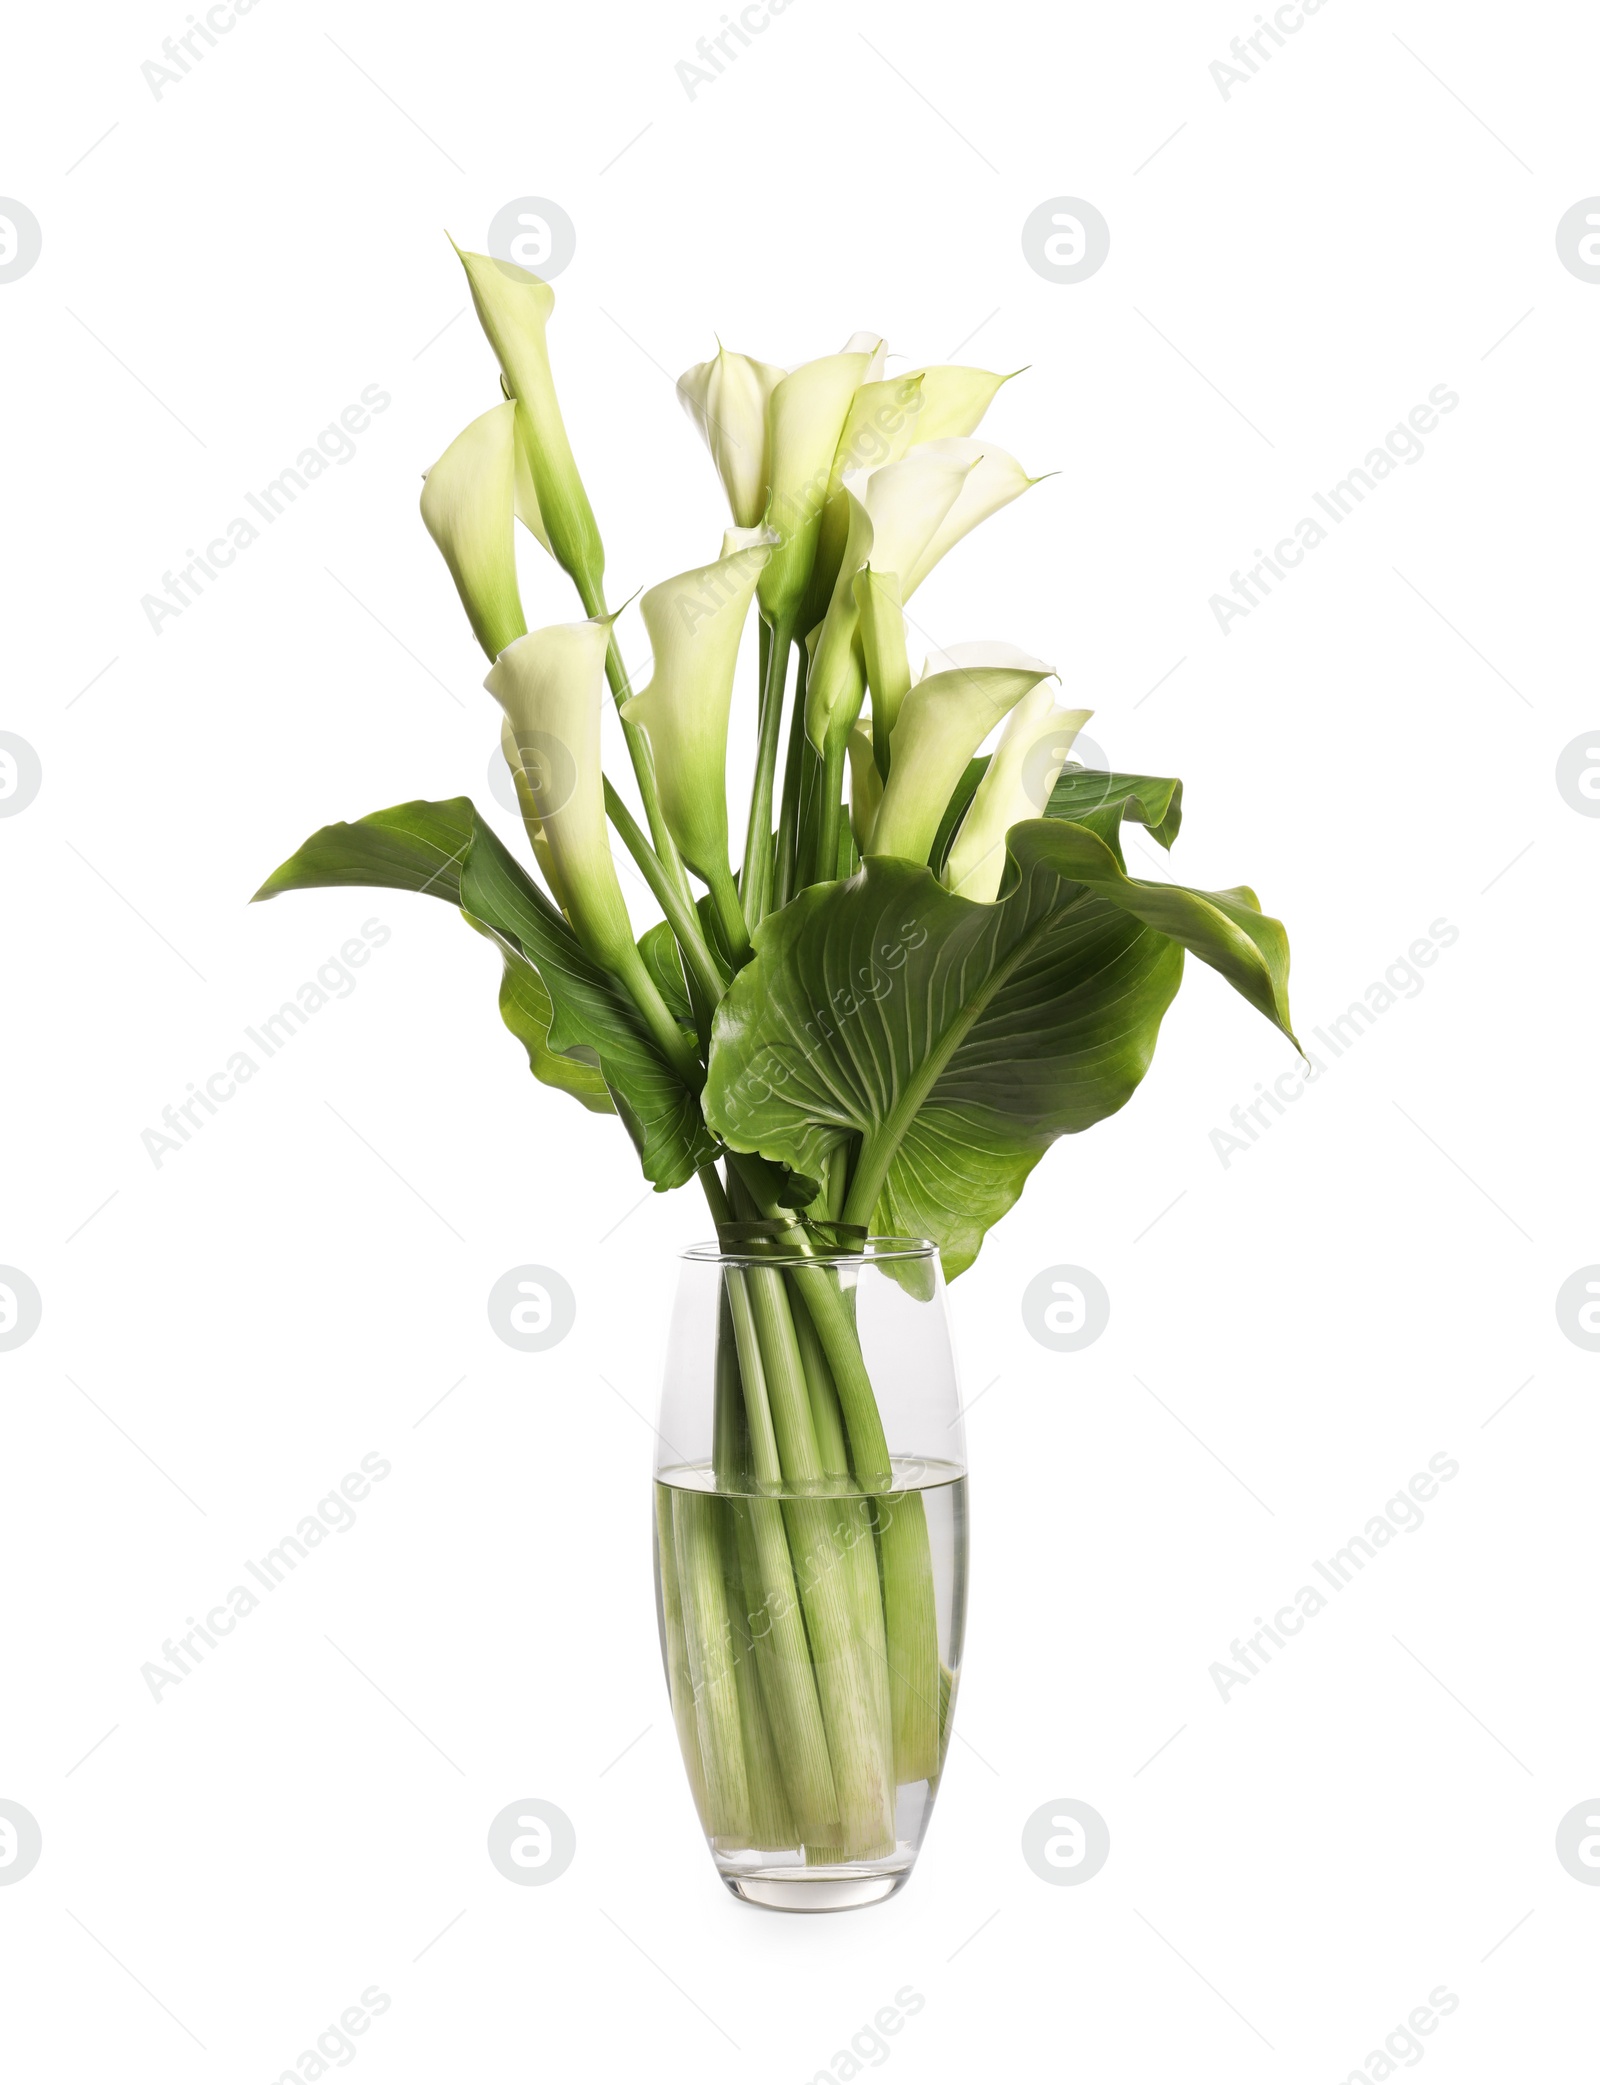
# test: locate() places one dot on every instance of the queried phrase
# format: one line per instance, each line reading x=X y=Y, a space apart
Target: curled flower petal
x=805 y=414
x=1016 y=784
x=943 y=721
x=467 y=502
x=513 y=308
x=550 y=684
x=993 y=480
x=727 y=400
x=695 y=622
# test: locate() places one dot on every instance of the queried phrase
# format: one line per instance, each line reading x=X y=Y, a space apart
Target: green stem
x=730 y=915
x=756 y=882
x=772 y=1603
x=680 y=1687
x=644 y=767
x=772 y=1825
x=669 y=1038
x=681 y=915
x=785 y=872
x=783 y=1661
x=912 y=1631
x=703 y=1592
x=825 y=857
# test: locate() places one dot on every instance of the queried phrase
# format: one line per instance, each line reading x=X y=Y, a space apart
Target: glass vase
x=811 y=1560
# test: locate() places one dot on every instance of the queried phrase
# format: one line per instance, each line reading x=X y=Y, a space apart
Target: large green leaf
x=580 y=1030
x=1153 y=801
x=947 y=1043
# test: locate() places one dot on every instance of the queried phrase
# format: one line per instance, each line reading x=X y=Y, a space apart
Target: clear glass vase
x=811 y=1560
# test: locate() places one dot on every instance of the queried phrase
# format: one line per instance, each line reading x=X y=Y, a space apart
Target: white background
x=1297 y=1333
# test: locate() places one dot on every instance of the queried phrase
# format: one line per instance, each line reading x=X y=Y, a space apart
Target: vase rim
x=710 y=1252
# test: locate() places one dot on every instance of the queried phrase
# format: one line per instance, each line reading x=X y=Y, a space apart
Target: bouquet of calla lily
x=928 y=963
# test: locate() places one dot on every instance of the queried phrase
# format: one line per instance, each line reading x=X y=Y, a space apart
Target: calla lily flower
x=549 y=684
x=963 y=694
x=866 y=785
x=874 y=347
x=880 y=426
x=993 y=480
x=1016 y=784
x=695 y=622
x=954 y=400
x=899 y=510
x=513 y=308
x=806 y=414
x=467 y=502
x=727 y=400
x=911 y=500
x=889 y=418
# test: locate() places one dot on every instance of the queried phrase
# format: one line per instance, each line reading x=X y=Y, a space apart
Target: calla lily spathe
x=727 y=400
x=513 y=308
x=947 y=715
x=1016 y=784
x=806 y=414
x=990 y=479
x=549 y=684
x=467 y=503
x=890 y=525
x=695 y=623
x=874 y=347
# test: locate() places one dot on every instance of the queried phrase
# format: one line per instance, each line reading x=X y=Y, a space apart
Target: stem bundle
x=798 y=1595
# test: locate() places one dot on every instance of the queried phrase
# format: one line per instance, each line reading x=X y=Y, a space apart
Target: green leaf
x=593 y=1042
x=526 y=1010
x=659 y=947
x=1153 y=801
x=947 y=1043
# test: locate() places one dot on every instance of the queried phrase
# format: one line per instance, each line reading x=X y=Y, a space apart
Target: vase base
x=816 y=1889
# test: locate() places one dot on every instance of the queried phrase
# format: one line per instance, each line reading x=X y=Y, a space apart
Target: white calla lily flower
x=874 y=347
x=944 y=719
x=695 y=623
x=1016 y=784
x=467 y=502
x=513 y=308
x=727 y=400
x=993 y=480
x=806 y=414
x=911 y=500
x=550 y=685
